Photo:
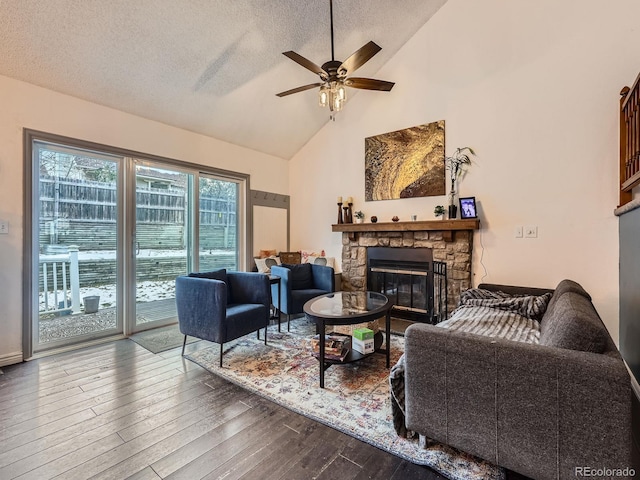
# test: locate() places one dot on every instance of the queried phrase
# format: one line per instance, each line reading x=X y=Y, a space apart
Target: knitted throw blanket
x=492 y=314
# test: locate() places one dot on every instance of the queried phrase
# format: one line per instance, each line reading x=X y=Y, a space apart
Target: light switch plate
x=531 y=231
x=4 y=227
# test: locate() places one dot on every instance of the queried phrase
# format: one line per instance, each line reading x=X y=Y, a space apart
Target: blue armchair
x=220 y=306
x=300 y=283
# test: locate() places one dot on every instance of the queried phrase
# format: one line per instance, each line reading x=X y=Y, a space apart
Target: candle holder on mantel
x=346 y=214
x=340 y=213
x=350 y=213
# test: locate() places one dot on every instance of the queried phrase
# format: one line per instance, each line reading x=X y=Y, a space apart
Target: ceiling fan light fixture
x=336 y=103
x=333 y=75
x=323 y=96
x=341 y=90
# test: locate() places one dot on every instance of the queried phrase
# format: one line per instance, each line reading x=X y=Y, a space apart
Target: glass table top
x=346 y=304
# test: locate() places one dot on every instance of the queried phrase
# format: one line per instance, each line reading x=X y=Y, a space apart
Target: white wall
x=25 y=106
x=533 y=88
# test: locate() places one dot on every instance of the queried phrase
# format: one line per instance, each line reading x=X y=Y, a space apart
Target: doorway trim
x=30 y=243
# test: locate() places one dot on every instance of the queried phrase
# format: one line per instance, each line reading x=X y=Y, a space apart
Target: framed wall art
x=406 y=163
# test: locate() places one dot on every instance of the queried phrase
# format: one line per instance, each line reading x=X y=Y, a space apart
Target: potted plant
x=439 y=211
x=359 y=216
x=457 y=164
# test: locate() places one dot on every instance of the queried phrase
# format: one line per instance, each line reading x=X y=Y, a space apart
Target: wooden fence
x=84 y=213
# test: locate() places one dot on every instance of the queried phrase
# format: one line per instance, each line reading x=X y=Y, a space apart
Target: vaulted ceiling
x=208 y=66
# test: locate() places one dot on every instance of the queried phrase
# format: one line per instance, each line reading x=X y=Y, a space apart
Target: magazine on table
x=336 y=346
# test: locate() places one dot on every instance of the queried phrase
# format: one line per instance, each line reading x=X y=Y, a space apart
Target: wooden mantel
x=447 y=227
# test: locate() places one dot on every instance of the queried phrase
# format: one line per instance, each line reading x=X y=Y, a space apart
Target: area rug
x=161 y=339
x=355 y=399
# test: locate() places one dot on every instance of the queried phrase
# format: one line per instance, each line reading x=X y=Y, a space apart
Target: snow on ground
x=146 y=291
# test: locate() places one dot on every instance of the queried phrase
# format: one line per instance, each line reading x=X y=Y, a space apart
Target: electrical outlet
x=518 y=232
x=531 y=231
x=4 y=226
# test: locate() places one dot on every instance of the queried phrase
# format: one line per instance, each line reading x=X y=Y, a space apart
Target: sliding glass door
x=76 y=225
x=219 y=212
x=163 y=240
x=110 y=232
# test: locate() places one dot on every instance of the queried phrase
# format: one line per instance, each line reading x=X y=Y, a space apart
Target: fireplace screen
x=411 y=280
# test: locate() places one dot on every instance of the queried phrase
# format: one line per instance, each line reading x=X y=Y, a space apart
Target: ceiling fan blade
x=308 y=64
x=360 y=57
x=369 y=84
x=299 y=89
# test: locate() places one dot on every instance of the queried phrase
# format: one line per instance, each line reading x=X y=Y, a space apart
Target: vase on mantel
x=453 y=211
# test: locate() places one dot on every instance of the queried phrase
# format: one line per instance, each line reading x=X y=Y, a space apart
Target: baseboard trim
x=76 y=346
x=10 y=359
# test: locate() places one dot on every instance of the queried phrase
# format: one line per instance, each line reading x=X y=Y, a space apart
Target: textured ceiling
x=209 y=66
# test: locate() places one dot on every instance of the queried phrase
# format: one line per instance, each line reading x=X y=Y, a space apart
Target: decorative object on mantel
x=457 y=165
x=439 y=211
x=468 y=207
x=374 y=219
x=395 y=218
x=359 y=216
x=414 y=217
x=349 y=218
x=407 y=163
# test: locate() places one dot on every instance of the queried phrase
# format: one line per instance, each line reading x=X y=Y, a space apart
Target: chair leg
x=221 y=354
x=288 y=322
x=184 y=343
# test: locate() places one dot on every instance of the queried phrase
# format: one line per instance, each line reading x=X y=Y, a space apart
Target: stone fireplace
x=451 y=242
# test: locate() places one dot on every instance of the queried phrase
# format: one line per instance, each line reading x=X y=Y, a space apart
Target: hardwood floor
x=117 y=411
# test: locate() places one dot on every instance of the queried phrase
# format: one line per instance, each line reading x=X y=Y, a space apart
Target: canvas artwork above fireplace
x=406 y=163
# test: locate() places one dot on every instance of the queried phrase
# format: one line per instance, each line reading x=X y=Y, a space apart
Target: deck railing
x=60 y=277
x=629 y=140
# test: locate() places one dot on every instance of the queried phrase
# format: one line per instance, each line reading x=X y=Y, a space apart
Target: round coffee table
x=349 y=308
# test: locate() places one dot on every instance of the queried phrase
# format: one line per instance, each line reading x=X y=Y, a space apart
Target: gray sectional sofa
x=541 y=407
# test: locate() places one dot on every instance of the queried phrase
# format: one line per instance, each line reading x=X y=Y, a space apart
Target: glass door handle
x=137 y=248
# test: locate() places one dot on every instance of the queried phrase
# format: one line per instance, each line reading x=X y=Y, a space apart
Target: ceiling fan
x=333 y=75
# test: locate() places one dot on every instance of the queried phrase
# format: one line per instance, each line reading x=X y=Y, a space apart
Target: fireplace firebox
x=411 y=279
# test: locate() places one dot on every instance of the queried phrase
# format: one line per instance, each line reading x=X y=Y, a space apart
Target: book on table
x=336 y=346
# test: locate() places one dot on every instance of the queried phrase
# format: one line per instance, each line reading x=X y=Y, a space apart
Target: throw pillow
x=220 y=274
x=267 y=253
x=264 y=264
x=327 y=261
x=301 y=276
